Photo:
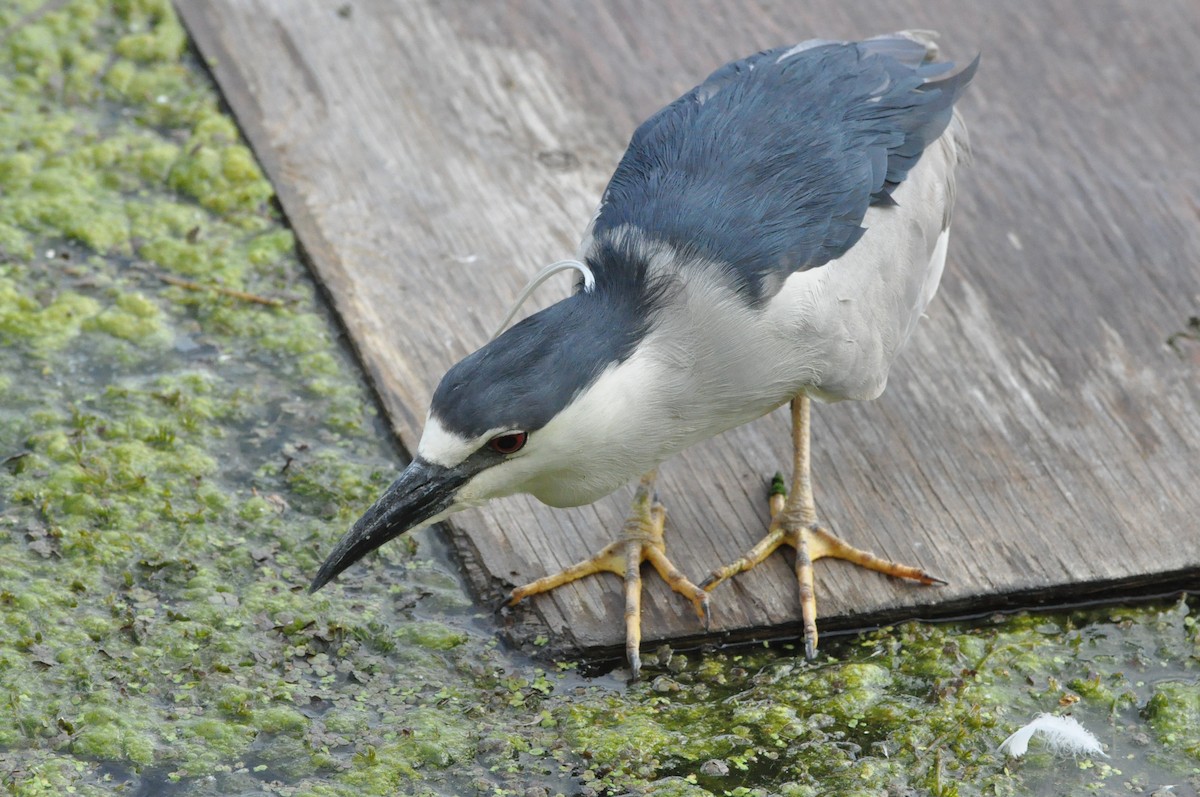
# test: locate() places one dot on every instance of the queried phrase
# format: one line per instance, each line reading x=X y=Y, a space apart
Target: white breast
x=832 y=332
x=712 y=362
x=838 y=328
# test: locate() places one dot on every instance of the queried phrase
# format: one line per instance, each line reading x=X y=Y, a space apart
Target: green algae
x=917 y=708
x=434 y=636
x=47 y=327
x=175 y=463
x=131 y=317
x=1174 y=713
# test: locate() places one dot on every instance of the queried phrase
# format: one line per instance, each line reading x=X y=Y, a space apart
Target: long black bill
x=422 y=491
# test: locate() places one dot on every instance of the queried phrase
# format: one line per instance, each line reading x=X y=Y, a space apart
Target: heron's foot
x=790 y=526
x=641 y=541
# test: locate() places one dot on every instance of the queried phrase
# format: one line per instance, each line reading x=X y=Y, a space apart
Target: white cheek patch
x=443 y=447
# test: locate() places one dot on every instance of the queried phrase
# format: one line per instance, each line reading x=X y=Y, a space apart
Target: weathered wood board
x=1039 y=439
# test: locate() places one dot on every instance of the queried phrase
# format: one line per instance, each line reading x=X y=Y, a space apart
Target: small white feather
x=1062 y=736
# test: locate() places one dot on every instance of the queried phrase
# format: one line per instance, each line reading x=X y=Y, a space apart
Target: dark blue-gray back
x=769 y=166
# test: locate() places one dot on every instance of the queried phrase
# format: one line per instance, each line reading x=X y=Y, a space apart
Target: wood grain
x=1038 y=440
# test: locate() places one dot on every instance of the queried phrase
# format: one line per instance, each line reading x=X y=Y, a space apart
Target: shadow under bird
x=772 y=236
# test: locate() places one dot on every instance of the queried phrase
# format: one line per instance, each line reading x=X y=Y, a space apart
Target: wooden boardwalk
x=1039 y=440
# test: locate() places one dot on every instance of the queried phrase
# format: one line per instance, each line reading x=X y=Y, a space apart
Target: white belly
x=852 y=320
x=711 y=362
x=832 y=332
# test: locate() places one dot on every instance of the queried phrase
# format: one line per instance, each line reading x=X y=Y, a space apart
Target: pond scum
x=182 y=436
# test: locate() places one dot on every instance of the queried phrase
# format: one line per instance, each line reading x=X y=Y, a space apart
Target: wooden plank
x=1039 y=438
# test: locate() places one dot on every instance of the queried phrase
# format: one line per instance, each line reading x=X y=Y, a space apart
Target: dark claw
x=810 y=649
x=503 y=604
x=635 y=665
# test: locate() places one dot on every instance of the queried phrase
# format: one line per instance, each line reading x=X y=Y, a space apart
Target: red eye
x=509 y=443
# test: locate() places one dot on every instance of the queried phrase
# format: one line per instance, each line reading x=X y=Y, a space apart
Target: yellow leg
x=633 y=607
x=794 y=522
x=641 y=541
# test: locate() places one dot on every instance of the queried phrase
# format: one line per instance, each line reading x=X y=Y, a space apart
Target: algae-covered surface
x=183 y=436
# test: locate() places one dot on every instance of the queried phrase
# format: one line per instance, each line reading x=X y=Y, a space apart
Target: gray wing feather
x=768 y=166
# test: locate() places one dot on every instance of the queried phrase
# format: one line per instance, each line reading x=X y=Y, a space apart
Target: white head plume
x=589 y=283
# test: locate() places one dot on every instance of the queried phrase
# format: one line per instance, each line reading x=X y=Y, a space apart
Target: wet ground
x=183 y=436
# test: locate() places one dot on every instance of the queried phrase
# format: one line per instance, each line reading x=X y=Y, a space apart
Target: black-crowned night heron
x=772 y=235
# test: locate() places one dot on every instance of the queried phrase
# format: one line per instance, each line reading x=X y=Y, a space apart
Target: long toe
x=641 y=541
x=656 y=555
x=824 y=544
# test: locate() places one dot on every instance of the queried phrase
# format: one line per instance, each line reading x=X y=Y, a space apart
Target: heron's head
x=538 y=410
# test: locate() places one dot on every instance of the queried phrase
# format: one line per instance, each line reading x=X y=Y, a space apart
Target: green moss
x=1174 y=713
x=47 y=327
x=236 y=702
x=433 y=636
x=140 y=748
x=623 y=739
x=64 y=201
x=34 y=50
x=855 y=689
x=281 y=719
x=426 y=739
x=218 y=172
x=212 y=741
x=134 y=318
x=164 y=42
x=270 y=247
x=16 y=169
x=106 y=733
x=255 y=508
x=14 y=242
